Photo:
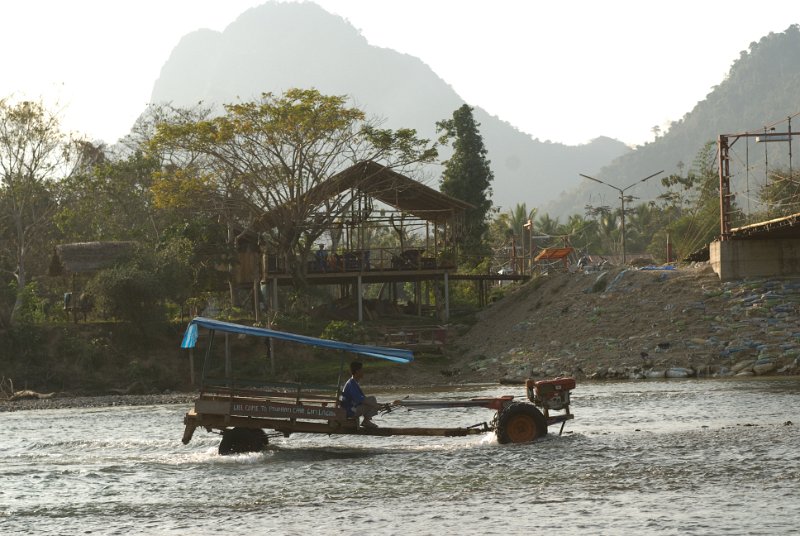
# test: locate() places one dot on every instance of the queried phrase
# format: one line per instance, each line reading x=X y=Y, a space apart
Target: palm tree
x=518 y=218
x=641 y=225
x=610 y=231
x=548 y=226
x=582 y=232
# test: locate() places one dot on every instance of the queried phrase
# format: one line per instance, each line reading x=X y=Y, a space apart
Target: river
x=651 y=457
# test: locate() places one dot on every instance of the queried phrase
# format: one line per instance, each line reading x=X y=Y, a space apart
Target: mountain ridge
x=758 y=90
x=285 y=41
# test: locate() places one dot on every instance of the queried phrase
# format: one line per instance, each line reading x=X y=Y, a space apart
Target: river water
x=656 y=457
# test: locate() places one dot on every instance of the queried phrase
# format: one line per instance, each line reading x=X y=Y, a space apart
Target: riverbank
x=622 y=323
x=65 y=400
x=628 y=323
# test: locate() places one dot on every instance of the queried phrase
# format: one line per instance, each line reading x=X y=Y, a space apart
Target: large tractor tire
x=239 y=440
x=520 y=422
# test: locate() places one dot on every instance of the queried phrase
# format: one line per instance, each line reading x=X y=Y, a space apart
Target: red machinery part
x=550 y=394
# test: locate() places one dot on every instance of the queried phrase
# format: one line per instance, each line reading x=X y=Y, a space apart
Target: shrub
x=127 y=293
x=342 y=330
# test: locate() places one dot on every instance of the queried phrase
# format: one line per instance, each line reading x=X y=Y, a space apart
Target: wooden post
x=436 y=241
x=360 y=304
x=255 y=299
x=227 y=359
x=271 y=352
x=446 y=298
x=191 y=366
x=270 y=346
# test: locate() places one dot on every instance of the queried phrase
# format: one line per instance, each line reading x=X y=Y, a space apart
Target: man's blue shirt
x=352 y=396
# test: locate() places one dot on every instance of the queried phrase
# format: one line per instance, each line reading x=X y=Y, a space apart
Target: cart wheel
x=520 y=423
x=238 y=440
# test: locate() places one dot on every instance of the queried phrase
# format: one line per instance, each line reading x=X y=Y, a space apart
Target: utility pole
x=622 y=200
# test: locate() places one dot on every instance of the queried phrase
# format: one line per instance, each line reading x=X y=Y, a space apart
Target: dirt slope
x=634 y=323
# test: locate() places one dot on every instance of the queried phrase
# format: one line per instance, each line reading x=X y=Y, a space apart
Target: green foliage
x=687 y=214
x=146 y=376
x=173 y=264
x=32 y=306
x=266 y=164
x=127 y=292
x=34 y=154
x=467 y=176
x=781 y=194
x=464 y=295
x=582 y=233
x=92 y=357
x=23 y=353
x=110 y=200
x=201 y=247
x=140 y=289
x=8 y=295
x=695 y=221
x=497 y=293
x=342 y=330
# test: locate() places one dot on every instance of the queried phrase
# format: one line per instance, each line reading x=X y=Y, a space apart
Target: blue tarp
x=391 y=354
x=653 y=267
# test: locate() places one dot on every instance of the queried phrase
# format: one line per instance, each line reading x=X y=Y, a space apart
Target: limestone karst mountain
x=277 y=46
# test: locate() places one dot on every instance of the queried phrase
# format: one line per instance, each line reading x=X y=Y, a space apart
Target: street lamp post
x=622 y=200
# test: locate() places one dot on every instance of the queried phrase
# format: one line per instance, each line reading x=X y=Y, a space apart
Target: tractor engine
x=550 y=394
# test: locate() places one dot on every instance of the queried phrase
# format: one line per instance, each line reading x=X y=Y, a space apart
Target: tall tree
x=781 y=195
x=110 y=199
x=265 y=165
x=33 y=156
x=467 y=175
x=693 y=203
x=519 y=217
x=582 y=233
x=548 y=225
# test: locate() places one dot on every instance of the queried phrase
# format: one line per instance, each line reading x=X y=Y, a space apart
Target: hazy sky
x=560 y=71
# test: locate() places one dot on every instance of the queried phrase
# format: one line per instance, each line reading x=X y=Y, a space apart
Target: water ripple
x=680 y=457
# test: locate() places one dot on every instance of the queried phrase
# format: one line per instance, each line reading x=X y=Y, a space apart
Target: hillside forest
x=755 y=97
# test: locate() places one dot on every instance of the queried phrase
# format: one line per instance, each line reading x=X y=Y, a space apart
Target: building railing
x=409 y=259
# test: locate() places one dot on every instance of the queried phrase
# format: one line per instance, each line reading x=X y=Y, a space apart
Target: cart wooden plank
x=266 y=408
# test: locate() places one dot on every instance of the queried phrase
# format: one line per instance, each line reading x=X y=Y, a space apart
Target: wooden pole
x=418 y=296
x=446 y=298
x=255 y=298
x=227 y=358
x=360 y=304
x=191 y=366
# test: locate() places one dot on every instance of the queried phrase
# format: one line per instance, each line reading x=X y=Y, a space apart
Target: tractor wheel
x=520 y=423
x=238 y=440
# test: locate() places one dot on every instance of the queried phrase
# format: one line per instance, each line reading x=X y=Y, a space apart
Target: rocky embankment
x=634 y=324
x=615 y=324
x=66 y=400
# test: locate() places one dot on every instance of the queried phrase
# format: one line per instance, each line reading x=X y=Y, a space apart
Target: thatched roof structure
x=388 y=186
x=88 y=257
x=399 y=191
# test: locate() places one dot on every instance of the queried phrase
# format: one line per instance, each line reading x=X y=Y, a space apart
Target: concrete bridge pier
x=762 y=257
